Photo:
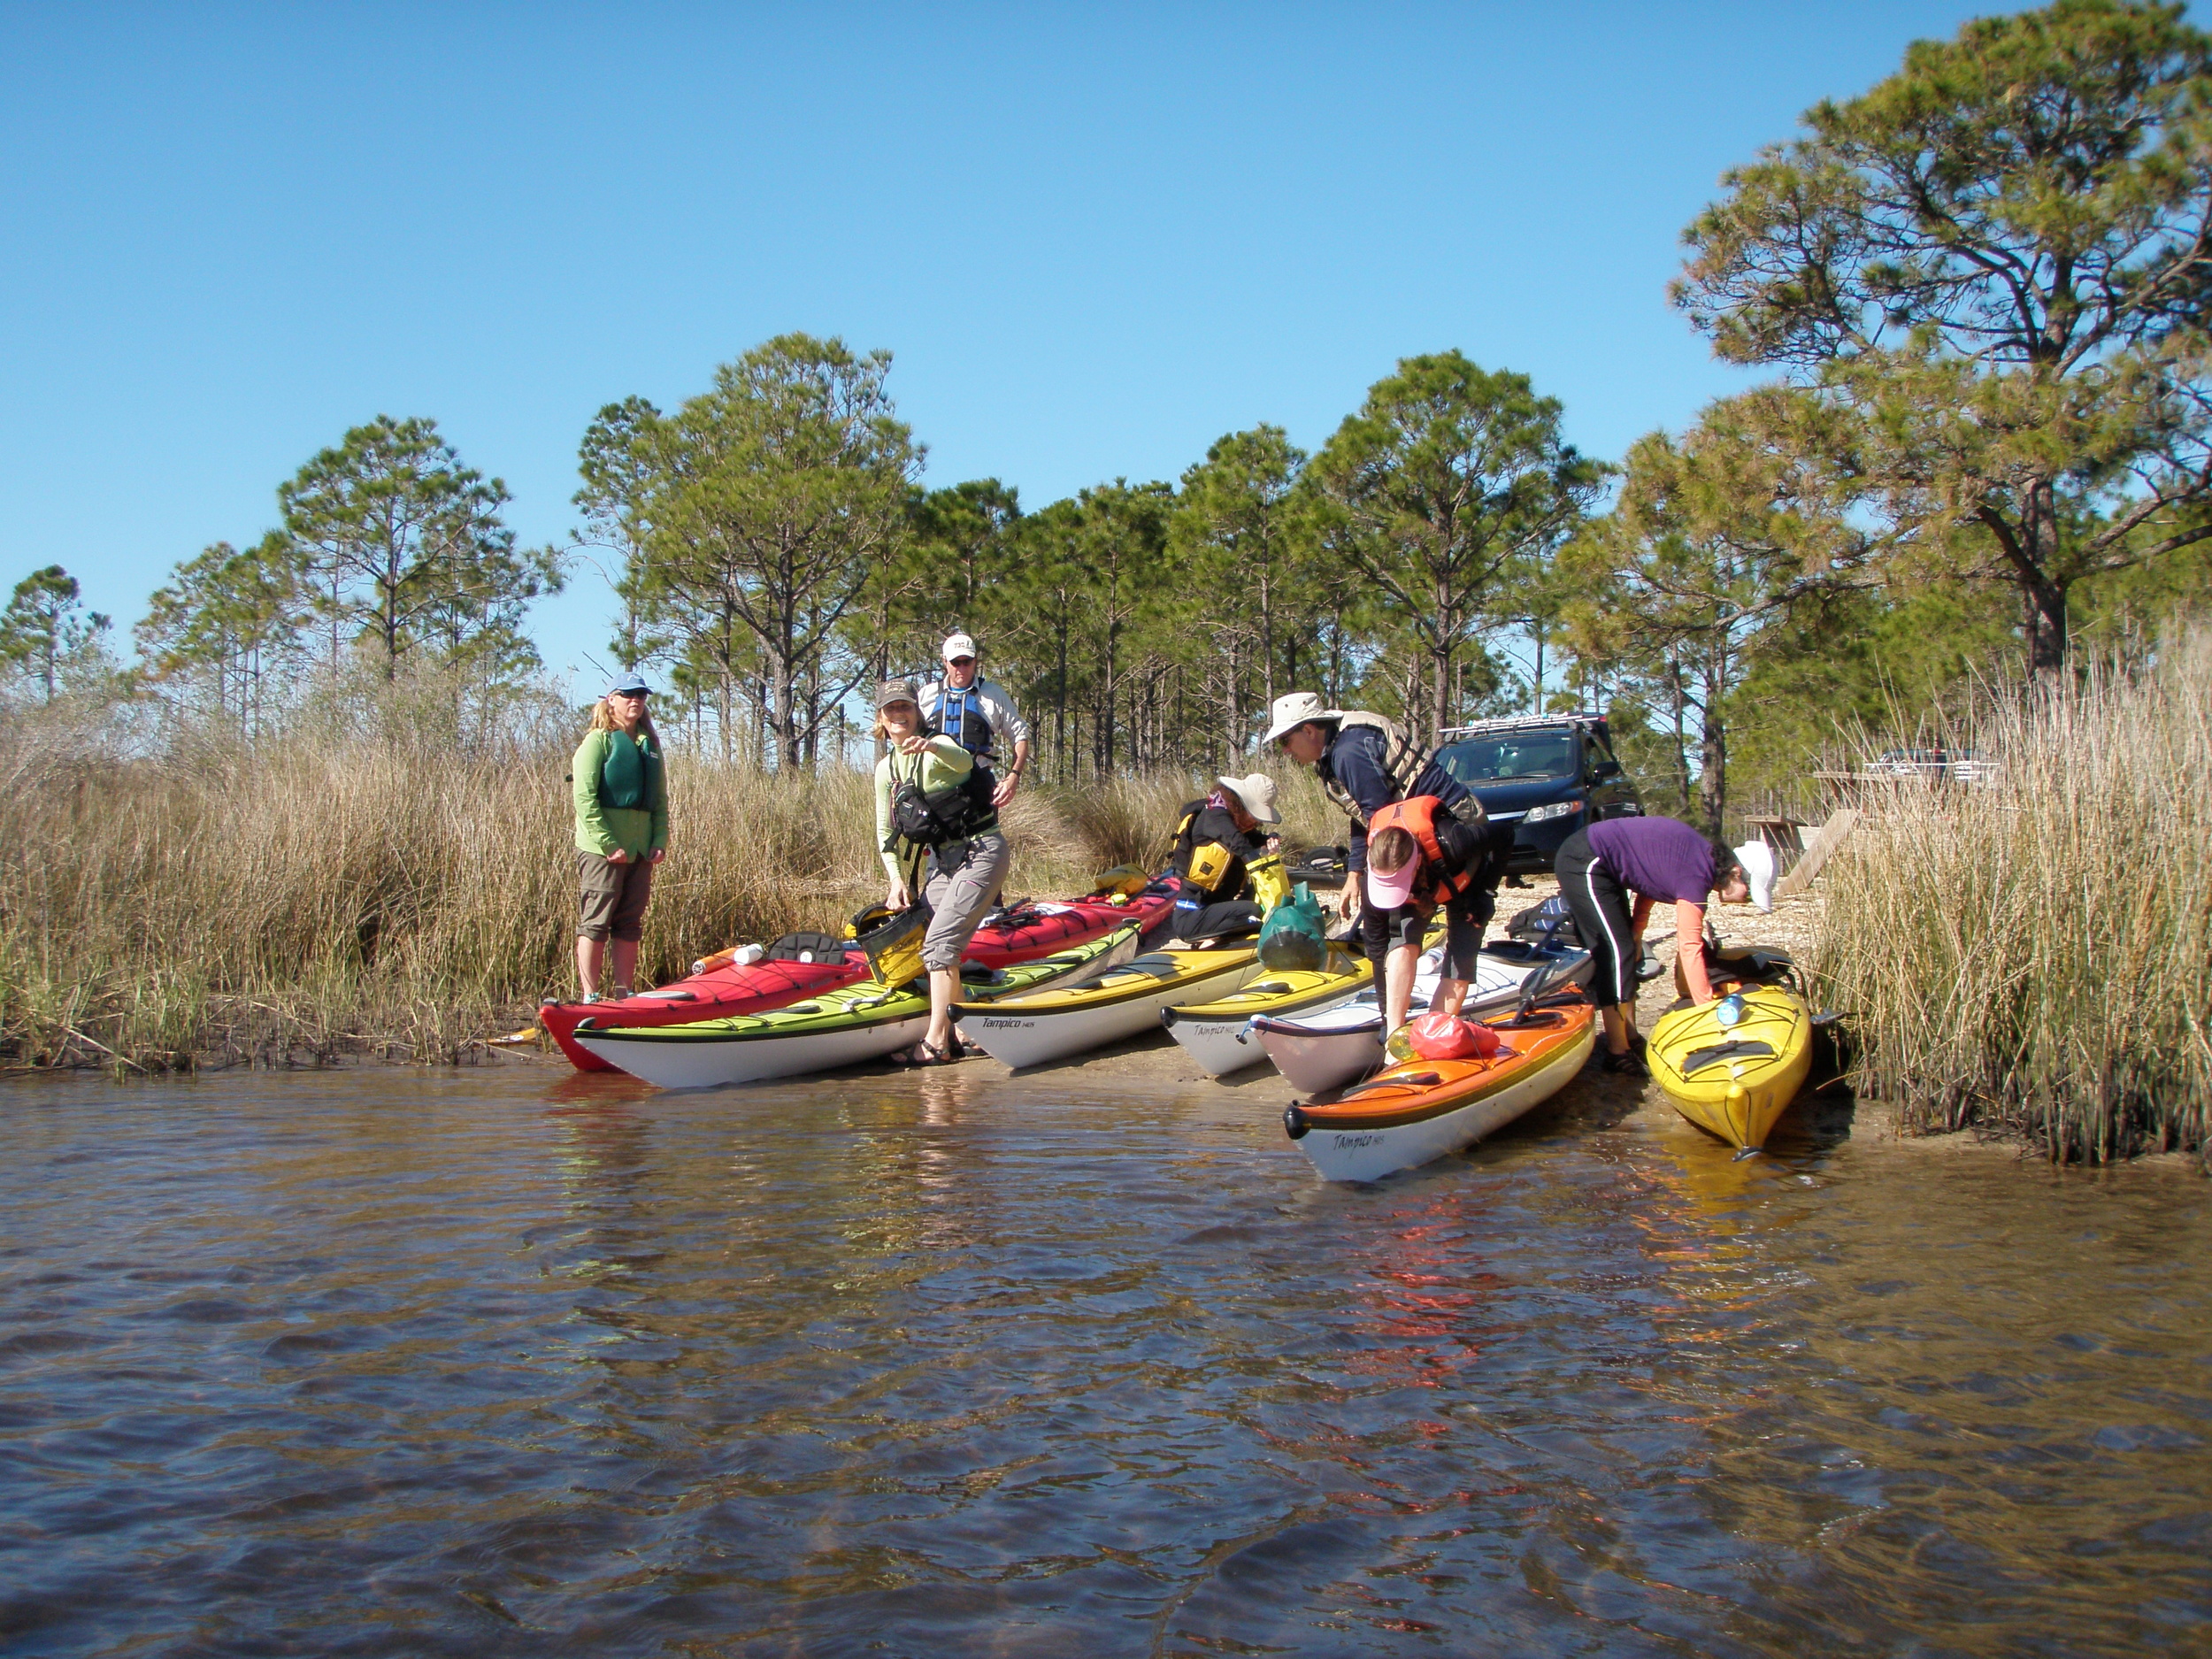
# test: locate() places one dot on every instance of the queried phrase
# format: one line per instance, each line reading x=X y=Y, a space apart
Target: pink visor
x=1389 y=892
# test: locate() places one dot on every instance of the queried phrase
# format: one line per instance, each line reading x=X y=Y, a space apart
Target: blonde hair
x=602 y=720
x=1390 y=850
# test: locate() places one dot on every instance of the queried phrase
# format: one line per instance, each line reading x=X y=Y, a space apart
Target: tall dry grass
x=305 y=899
x=2035 y=954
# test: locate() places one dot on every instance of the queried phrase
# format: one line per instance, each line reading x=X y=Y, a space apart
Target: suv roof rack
x=1521 y=722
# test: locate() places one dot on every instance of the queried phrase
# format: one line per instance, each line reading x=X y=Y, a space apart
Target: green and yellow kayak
x=852 y=1023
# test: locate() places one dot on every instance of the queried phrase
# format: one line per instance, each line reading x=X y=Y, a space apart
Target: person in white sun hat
x=977 y=714
x=1657 y=860
x=1224 y=855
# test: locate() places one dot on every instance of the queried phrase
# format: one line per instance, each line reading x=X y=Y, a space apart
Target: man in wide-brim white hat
x=1367 y=762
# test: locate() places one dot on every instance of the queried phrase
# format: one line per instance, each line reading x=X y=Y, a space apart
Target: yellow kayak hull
x=1733 y=1081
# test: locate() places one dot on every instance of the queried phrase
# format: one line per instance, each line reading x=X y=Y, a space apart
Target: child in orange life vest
x=1419 y=857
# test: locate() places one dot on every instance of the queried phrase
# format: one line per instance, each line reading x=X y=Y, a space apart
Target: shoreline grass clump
x=2034 y=954
x=317 y=896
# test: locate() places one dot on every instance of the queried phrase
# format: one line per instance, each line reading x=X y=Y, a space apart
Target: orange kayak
x=1420 y=1109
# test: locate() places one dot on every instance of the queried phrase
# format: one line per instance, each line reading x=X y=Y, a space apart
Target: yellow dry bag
x=1125 y=880
x=1269 y=885
x=894 y=947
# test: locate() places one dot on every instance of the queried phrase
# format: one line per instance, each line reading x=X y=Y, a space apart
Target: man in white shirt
x=979 y=714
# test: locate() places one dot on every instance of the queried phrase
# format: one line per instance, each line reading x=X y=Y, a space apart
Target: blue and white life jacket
x=959 y=716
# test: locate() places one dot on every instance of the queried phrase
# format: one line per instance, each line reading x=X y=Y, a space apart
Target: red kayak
x=724 y=988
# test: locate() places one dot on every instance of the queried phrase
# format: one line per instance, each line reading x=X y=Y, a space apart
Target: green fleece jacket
x=601 y=828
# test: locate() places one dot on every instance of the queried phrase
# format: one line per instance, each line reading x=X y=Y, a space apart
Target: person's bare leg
x=1451 y=996
x=1620 y=1027
x=944 y=991
x=625 y=966
x=589 y=954
x=1399 y=963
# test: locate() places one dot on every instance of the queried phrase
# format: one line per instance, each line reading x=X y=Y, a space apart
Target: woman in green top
x=621 y=794
x=960 y=878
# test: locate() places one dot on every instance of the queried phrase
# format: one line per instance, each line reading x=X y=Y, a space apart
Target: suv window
x=1515 y=757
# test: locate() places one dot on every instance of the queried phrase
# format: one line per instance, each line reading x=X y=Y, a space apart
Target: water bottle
x=1730 y=1009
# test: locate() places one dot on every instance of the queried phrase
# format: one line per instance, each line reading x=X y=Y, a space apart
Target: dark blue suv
x=1547 y=777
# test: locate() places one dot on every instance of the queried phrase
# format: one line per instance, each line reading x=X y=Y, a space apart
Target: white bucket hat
x=1257 y=792
x=1757 y=859
x=1293 y=710
x=958 y=645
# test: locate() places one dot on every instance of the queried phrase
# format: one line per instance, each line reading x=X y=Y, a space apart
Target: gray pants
x=959 y=898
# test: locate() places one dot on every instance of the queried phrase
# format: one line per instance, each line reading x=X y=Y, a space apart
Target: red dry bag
x=1448 y=1037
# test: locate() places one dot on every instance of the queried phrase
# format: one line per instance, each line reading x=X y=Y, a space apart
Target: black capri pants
x=1601 y=916
x=1464 y=919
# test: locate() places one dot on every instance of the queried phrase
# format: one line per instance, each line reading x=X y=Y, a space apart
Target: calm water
x=507 y=1365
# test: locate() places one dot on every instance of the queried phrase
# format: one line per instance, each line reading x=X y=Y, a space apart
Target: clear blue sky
x=1095 y=238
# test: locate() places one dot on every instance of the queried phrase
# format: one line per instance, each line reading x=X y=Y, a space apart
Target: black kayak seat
x=1736 y=1048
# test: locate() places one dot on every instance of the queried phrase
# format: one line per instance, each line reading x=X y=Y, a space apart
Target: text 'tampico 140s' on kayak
x=846 y=1026
x=1420 y=1109
x=1326 y=1049
x=1731 y=1064
x=1072 y=1020
x=722 y=986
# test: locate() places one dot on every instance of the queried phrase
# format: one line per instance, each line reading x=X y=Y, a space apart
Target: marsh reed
x=2034 y=954
x=301 y=899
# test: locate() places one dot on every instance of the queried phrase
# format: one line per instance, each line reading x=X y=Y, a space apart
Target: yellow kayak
x=1215 y=1033
x=1733 y=1080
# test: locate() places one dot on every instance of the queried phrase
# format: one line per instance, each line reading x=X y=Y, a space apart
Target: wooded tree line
x=1981 y=289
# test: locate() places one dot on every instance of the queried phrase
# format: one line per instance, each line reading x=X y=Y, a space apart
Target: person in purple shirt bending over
x=1654 y=859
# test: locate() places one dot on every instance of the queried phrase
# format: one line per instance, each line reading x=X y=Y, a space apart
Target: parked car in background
x=1548 y=776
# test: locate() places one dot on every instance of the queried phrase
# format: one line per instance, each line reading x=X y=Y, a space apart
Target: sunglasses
x=962 y=662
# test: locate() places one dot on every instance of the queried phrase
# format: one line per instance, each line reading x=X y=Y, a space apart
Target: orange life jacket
x=1417 y=817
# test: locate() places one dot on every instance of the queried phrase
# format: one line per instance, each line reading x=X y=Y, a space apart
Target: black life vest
x=953 y=813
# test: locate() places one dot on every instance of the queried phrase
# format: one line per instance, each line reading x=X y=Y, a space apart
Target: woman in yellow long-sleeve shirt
x=959 y=874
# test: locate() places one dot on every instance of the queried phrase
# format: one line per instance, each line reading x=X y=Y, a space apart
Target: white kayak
x=846 y=1026
x=1341 y=1044
x=1041 y=1026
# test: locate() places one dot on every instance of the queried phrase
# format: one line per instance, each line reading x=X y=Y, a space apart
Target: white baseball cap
x=1293 y=710
x=958 y=645
x=1757 y=859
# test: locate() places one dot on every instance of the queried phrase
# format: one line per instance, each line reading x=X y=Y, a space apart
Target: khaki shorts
x=960 y=899
x=612 y=897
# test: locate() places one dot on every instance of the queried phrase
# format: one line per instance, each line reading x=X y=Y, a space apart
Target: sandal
x=922 y=1054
